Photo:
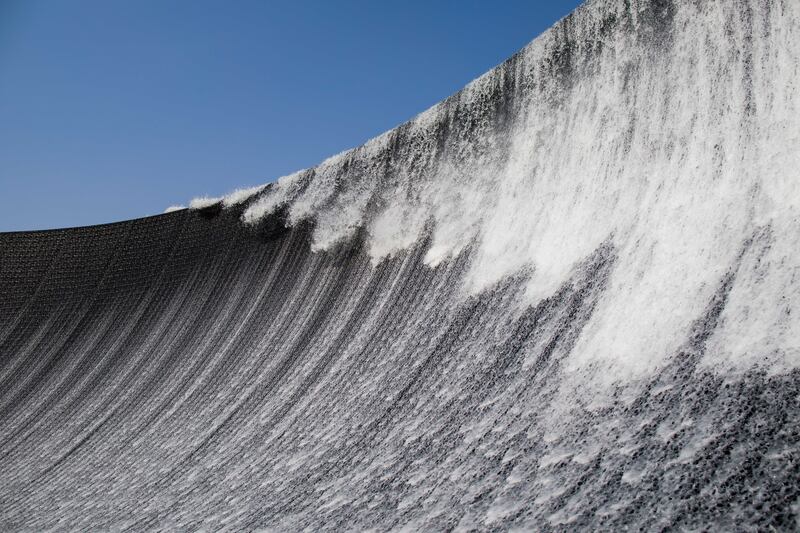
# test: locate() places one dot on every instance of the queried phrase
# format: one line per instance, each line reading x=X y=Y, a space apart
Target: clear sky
x=111 y=110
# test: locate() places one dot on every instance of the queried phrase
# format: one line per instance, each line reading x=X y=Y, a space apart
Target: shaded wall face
x=182 y=370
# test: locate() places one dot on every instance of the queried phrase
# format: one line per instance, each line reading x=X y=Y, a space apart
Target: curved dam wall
x=184 y=371
x=565 y=297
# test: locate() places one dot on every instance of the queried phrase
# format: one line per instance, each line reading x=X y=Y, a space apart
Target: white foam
x=241 y=195
x=203 y=202
x=282 y=192
x=676 y=154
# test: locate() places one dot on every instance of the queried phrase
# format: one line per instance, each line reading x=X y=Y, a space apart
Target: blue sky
x=111 y=110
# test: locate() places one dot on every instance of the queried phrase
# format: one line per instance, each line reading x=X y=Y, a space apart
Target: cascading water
x=566 y=296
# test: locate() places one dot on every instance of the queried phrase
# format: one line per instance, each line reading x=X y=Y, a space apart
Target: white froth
x=241 y=195
x=204 y=201
x=282 y=192
x=681 y=154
